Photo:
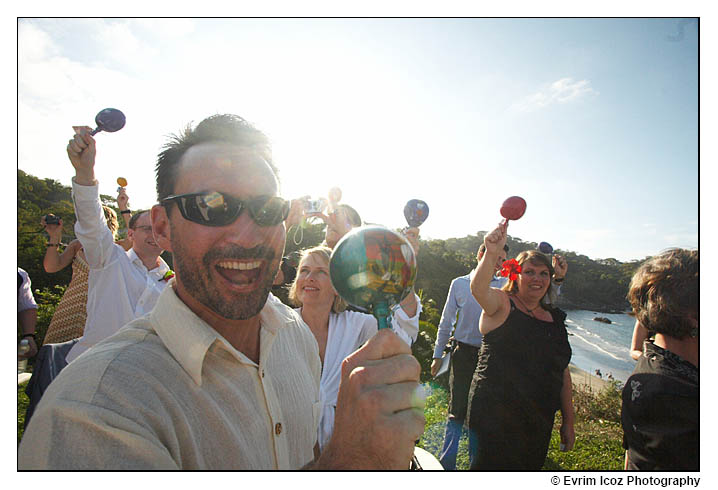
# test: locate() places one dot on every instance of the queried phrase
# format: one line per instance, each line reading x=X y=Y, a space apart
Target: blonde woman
x=338 y=332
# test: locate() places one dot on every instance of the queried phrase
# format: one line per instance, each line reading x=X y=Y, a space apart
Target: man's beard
x=197 y=281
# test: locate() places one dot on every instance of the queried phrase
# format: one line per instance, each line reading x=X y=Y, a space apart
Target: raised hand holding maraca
x=81 y=151
x=412 y=236
x=560 y=267
x=81 y=148
x=122 y=198
x=496 y=239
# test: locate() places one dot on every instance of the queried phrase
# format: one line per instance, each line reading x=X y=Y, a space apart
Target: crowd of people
x=203 y=367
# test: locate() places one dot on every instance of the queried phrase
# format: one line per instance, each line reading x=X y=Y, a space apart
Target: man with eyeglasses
x=221 y=374
x=122 y=285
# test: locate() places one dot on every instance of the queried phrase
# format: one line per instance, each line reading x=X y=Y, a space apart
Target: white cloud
x=33 y=43
x=165 y=28
x=561 y=91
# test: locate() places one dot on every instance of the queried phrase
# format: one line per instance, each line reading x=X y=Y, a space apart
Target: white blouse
x=347 y=332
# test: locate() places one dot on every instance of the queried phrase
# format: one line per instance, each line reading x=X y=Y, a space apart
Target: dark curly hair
x=664 y=293
x=223 y=128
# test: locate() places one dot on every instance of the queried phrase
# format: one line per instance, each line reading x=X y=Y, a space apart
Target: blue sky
x=593 y=121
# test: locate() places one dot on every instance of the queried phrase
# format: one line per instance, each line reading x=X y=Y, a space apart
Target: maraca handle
x=95 y=131
x=381 y=313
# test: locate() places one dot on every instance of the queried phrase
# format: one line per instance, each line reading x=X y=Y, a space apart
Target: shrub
x=604 y=405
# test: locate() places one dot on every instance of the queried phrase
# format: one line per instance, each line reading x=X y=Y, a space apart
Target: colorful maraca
x=513 y=208
x=545 y=247
x=416 y=211
x=373 y=268
x=109 y=120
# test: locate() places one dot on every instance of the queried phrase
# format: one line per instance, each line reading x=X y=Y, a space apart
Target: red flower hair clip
x=511 y=269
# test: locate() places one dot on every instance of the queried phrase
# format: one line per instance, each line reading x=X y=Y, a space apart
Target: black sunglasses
x=212 y=208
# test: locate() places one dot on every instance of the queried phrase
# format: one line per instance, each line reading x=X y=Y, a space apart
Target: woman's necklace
x=530 y=310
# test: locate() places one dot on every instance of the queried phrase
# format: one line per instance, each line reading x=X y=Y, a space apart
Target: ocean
x=598 y=345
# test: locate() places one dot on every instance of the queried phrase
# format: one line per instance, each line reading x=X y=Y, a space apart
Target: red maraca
x=513 y=208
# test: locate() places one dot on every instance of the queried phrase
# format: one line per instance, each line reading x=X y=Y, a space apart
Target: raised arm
x=490 y=299
x=91 y=228
x=55 y=261
x=123 y=205
x=560 y=267
x=640 y=334
x=296 y=212
x=410 y=304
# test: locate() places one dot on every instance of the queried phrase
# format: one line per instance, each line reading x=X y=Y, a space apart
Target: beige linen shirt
x=168 y=392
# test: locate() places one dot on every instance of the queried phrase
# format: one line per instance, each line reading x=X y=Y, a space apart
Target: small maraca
x=416 y=211
x=122 y=182
x=109 y=120
x=545 y=247
x=513 y=208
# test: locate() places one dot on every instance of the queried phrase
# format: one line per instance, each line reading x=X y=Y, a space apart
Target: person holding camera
x=68 y=321
x=340 y=220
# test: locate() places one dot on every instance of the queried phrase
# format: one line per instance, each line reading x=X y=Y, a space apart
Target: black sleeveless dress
x=516 y=391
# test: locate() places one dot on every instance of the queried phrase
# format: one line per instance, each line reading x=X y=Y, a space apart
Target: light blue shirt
x=466 y=327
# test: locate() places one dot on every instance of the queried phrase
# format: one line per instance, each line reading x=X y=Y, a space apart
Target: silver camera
x=314 y=206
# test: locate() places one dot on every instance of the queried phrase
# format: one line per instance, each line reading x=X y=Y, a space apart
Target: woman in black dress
x=522 y=376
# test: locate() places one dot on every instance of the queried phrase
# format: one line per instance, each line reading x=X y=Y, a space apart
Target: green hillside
x=598 y=285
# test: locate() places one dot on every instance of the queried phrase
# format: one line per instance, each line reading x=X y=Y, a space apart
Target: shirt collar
x=160 y=270
x=188 y=337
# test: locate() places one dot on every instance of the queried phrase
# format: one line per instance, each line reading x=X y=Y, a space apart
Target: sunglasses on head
x=212 y=208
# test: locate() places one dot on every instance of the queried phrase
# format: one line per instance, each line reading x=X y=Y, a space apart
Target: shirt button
x=263 y=373
x=278 y=429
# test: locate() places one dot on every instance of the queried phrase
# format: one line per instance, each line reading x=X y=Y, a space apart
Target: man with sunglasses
x=222 y=375
x=122 y=285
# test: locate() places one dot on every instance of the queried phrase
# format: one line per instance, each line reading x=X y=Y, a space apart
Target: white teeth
x=243 y=266
x=311 y=289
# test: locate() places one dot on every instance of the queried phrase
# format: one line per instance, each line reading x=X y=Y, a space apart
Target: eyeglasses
x=212 y=208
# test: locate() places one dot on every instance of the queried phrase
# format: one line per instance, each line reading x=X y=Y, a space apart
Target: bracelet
x=53 y=244
x=125 y=211
x=29 y=335
x=559 y=280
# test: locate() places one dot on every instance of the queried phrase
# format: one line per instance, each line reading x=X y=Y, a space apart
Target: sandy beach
x=581 y=377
